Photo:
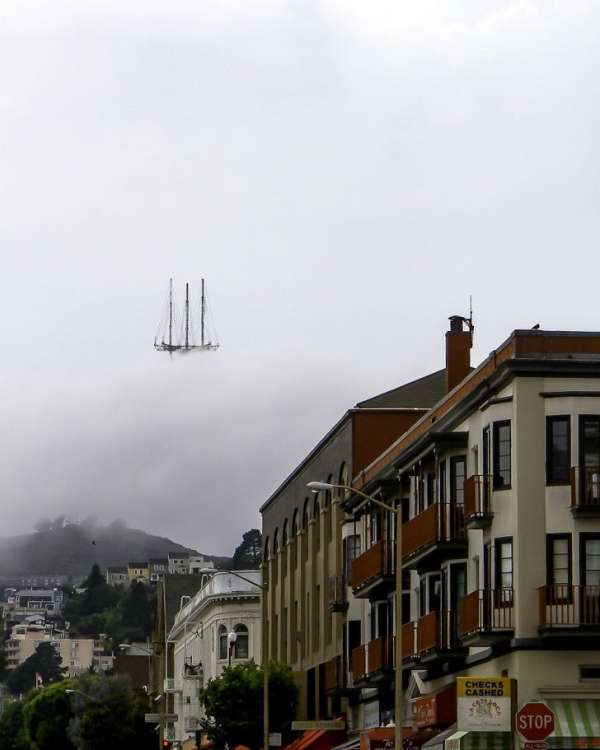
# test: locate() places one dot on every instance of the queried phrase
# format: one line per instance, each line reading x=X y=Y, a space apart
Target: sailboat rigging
x=175 y=339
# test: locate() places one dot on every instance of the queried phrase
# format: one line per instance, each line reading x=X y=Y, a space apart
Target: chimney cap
x=456 y=323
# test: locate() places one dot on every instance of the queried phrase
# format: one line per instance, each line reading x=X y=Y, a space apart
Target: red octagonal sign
x=535 y=722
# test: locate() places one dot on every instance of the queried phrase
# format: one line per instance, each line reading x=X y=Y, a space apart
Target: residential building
x=309 y=544
x=117 y=575
x=77 y=654
x=138 y=571
x=179 y=563
x=34 y=600
x=198 y=565
x=498 y=486
x=219 y=625
x=158 y=568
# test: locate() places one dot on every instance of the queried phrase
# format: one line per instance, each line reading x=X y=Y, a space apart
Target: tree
x=45 y=661
x=234 y=704
x=135 y=612
x=46 y=717
x=248 y=554
x=12 y=731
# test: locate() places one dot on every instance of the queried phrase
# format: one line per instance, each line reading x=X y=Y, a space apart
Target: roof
x=158 y=561
x=32 y=593
x=174 y=555
x=423 y=392
x=117 y=569
x=137 y=564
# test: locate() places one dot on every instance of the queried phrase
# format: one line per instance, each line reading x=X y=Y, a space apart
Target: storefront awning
x=575 y=720
x=437 y=742
x=478 y=741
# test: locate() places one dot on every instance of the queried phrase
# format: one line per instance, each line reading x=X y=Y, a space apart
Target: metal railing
x=564 y=605
x=585 y=487
x=337 y=593
x=485 y=610
x=435 y=631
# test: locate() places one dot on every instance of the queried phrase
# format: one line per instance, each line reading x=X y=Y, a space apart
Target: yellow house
x=138 y=571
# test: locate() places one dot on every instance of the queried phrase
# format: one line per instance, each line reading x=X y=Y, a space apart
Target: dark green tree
x=45 y=661
x=136 y=618
x=98 y=596
x=46 y=717
x=12 y=730
x=248 y=554
x=234 y=704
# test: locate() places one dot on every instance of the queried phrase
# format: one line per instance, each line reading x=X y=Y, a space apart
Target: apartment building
x=157 y=568
x=77 y=654
x=138 y=571
x=219 y=625
x=499 y=490
x=117 y=575
x=179 y=563
x=314 y=621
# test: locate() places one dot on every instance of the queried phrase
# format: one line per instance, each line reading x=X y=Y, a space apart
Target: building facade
x=117 y=576
x=218 y=626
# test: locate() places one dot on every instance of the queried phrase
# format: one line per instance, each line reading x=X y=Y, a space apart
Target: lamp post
x=263 y=600
x=398 y=697
x=71 y=691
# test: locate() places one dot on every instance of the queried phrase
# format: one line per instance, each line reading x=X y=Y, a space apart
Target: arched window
x=284 y=539
x=241 y=642
x=266 y=552
x=276 y=542
x=317 y=529
x=222 y=642
x=295 y=523
x=305 y=515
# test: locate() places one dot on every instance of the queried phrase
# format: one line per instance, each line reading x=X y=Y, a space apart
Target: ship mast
x=187 y=315
x=170 y=314
x=202 y=316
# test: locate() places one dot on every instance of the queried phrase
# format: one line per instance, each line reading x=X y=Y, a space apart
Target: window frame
x=495 y=455
x=550 y=539
x=585 y=536
x=551 y=481
x=454 y=460
x=498 y=543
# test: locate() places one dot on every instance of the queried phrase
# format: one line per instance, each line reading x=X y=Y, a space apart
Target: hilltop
x=63 y=548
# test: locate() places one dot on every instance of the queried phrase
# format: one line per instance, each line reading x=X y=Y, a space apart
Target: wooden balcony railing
x=359 y=662
x=585 y=487
x=375 y=563
x=380 y=654
x=561 y=605
x=441 y=522
x=435 y=631
x=485 y=610
x=409 y=640
x=428 y=632
x=478 y=497
x=337 y=593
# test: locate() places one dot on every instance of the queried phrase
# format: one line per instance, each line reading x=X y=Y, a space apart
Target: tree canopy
x=234 y=704
x=12 y=729
x=248 y=554
x=46 y=717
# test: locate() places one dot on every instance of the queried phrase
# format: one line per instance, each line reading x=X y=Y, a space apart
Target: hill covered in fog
x=62 y=548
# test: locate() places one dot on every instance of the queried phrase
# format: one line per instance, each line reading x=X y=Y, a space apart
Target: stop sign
x=535 y=722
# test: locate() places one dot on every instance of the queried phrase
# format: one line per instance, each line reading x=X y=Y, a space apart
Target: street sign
x=535 y=722
x=300 y=726
x=275 y=739
x=157 y=718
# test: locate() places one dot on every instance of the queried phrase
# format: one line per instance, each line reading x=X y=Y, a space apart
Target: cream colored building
x=220 y=625
x=77 y=654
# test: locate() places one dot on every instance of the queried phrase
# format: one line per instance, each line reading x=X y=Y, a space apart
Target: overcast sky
x=343 y=173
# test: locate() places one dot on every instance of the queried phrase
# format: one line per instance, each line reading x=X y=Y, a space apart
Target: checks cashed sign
x=484 y=704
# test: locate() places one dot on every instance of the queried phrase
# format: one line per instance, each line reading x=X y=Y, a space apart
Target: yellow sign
x=483 y=687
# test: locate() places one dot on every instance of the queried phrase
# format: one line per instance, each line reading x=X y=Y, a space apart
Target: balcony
x=337 y=596
x=373 y=662
x=372 y=569
x=585 y=490
x=486 y=617
x=478 y=507
x=568 y=610
x=431 y=638
x=437 y=531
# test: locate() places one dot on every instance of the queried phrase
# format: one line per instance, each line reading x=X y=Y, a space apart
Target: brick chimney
x=458 y=351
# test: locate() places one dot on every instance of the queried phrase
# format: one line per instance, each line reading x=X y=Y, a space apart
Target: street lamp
x=327 y=487
x=71 y=691
x=263 y=600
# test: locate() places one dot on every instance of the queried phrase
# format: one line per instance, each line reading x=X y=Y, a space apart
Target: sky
x=343 y=174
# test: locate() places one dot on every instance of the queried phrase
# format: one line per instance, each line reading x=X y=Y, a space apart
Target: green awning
x=478 y=741
x=576 y=719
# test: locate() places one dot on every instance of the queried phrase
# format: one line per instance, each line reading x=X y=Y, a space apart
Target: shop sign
x=535 y=746
x=307 y=726
x=484 y=704
x=436 y=709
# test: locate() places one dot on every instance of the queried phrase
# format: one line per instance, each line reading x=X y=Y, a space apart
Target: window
x=222 y=642
x=590 y=559
x=558 y=450
x=442 y=488
x=351 y=546
x=504 y=564
x=591 y=672
x=430 y=480
x=241 y=642
x=558 y=561
x=502 y=466
x=457 y=479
